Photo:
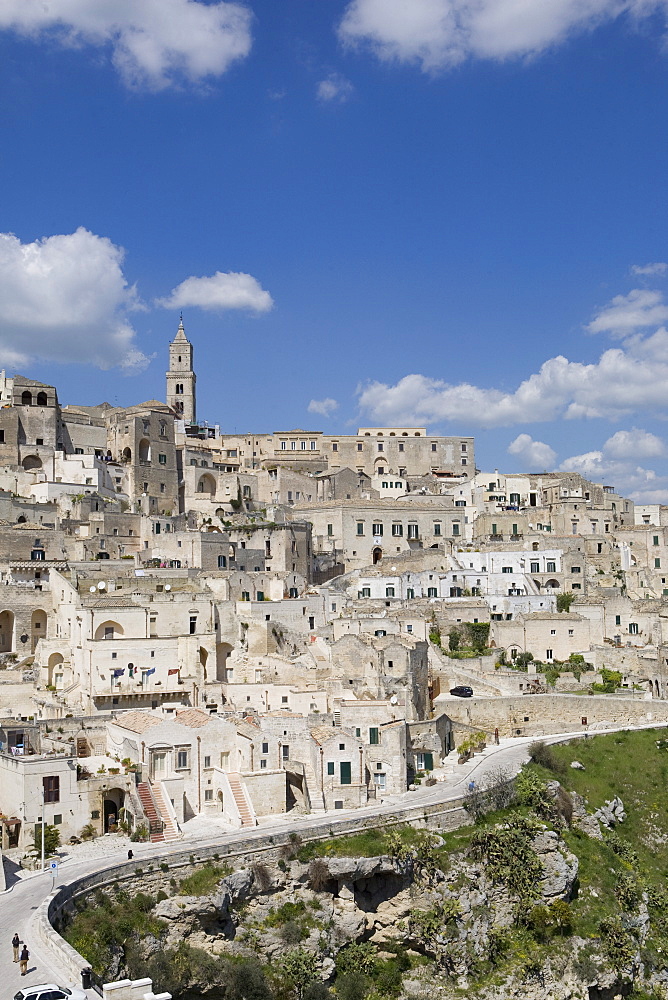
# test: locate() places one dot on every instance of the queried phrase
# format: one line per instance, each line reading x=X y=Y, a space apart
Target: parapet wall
x=541 y=714
x=156 y=873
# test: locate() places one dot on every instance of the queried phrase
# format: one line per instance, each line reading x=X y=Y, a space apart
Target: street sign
x=53 y=865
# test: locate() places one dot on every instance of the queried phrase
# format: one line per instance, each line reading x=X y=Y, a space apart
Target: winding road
x=20 y=901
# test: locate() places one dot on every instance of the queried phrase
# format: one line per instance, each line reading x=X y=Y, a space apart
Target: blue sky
x=386 y=211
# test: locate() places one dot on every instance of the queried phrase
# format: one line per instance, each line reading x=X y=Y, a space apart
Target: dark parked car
x=462 y=691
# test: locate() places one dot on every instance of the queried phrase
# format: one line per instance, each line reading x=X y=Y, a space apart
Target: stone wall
x=537 y=715
x=240 y=851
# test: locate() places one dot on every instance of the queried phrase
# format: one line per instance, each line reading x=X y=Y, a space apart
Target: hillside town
x=196 y=624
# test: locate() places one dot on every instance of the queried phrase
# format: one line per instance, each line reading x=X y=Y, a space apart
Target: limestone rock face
x=560 y=867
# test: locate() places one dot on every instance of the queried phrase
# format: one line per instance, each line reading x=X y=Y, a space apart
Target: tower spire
x=181 y=378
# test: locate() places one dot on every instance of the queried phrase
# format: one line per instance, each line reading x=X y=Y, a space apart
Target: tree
x=564 y=601
x=453 y=640
x=299 y=968
x=478 y=633
x=51 y=839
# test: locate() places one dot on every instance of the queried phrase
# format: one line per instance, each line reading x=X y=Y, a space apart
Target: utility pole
x=43 y=811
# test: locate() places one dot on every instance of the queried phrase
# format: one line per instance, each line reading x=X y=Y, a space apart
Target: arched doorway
x=108 y=630
x=377 y=555
x=42 y=399
x=144 y=451
x=6 y=632
x=552 y=584
x=207 y=484
x=55 y=670
x=127 y=455
x=223 y=650
x=37 y=628
x=26 y=398
x=113 y=801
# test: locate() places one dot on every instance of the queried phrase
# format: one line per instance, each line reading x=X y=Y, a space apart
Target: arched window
x=222 y=562
x=26 y=398
x=42 y=399
x=179 y=389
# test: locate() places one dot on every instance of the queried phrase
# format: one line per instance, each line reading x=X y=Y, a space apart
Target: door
x=379 y=781
x=159 y=761
x=345 y=771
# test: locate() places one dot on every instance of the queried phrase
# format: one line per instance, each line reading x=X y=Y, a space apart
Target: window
x=535 y=567
x=410 y=596
x=413 y=531
x=360 y=527
x=548 y=654
x=360 y=446
x=37 y=555
x=57 y=820
x=207 y=760
x=434 y=446
x=401 y=446
x=618 y=619
x=365 y=592
x=193 y=624
x=285 y=751
x=553 y=631
x=432 y=592
x=655 y=540
x=374 y=736
x=51 y=786
x=437 y=527
x=222 y=562
x=657 y=564
x=380 y=446
x=335 y=446
x=330 y=767
x=576 y=569
x=633 y=628
x=389 y=591
x=162 y=459
x=455 y=528
x=551 y=567
x=377 y=530
x=397 y=530
x=506 y=569
x=330 y=530
x=208 y=794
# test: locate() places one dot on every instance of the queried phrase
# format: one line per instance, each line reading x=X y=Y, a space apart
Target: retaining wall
x=155 y=874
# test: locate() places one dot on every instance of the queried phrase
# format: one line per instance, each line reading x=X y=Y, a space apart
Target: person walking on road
x=23 y=962
x=16 y=941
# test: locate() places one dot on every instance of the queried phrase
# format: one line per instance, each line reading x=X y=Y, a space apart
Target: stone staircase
x=170 y=830
x=243 y=803
x=151 y=812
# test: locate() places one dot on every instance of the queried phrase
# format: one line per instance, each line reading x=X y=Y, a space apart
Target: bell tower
x=181 y=378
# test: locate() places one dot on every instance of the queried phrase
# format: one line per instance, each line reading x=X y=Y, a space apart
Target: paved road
x=17 y=905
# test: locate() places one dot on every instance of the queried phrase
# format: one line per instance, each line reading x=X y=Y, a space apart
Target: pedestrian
x=16 y=941
x=471 y=786
x=23 y=962
x=130 y=855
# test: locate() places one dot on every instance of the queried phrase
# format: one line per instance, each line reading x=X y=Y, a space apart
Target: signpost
x=53 y=866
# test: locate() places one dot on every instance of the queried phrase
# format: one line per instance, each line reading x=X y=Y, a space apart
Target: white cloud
x=533 y=454
x=437 y=34
x=65 y=299
x=335 y=88
x=627 y=478
x=616 y=465
x=650 y=269
x=325 y=407
x=634 y=444
x=231 y=290
x=623 y=381
x=627 y=313
x=153 y=43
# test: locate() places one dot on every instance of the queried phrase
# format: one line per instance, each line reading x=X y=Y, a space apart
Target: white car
x=49 y=991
